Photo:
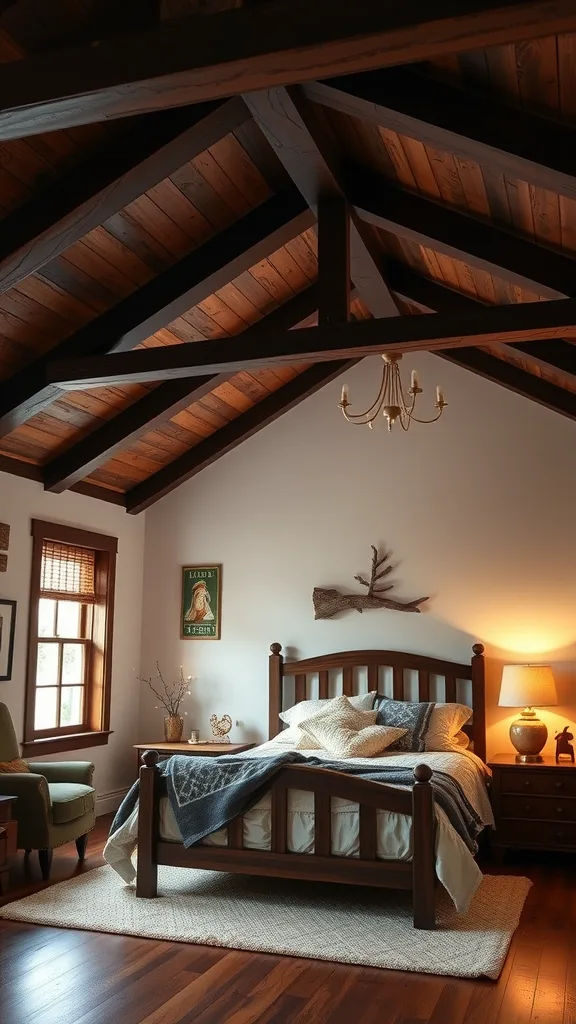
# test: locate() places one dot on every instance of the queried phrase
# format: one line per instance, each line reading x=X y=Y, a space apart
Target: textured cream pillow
x=344 y=742
x=341 y=713
x=307 y=708
x=445 y=723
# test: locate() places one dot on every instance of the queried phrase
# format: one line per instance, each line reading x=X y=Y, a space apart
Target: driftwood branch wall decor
x=329 y=602
x=4 y=542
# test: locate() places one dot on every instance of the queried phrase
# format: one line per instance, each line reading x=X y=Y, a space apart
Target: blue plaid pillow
x=403 y=714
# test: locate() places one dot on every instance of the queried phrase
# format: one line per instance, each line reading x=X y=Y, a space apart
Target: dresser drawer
x=543 y=835
x=546 y=783
x=11 y=829
x=553 y=808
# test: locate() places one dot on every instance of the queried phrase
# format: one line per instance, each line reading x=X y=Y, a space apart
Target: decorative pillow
x=339 y=713
x=445 y=724
x=307 y=708
x=413 y=718
x=344 y=742
x=461 y=740
x=16 y=765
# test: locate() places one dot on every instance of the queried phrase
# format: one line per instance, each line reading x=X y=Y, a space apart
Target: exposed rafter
x=192 y=60
x=229 y=437
x=161 y=404
x=153 y=147
x=458 y=120
x=300 y=142
x=29 y=471
x=157 y=303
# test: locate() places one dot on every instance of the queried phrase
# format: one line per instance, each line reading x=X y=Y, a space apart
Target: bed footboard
x=417 y=875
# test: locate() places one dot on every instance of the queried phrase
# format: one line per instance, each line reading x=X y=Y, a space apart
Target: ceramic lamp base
x=528 y=736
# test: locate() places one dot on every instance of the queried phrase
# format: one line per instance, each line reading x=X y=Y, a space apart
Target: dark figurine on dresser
x=564 y=747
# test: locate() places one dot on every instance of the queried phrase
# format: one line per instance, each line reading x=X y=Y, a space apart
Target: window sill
x=60 y=744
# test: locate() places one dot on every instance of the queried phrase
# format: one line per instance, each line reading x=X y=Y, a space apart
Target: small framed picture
x=7 y=627
x=200 y=617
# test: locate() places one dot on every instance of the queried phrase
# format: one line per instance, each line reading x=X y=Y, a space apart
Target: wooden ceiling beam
x=458 y=120
x=477 y=243
x=161 y=404
x=156 y=304
x=302 y=145
x=29 y=471
x=153 y=147
x=491 y=325
x=233 y=434
x=193 y=59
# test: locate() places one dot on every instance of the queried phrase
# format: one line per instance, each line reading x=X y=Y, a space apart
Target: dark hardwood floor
x=56 y=976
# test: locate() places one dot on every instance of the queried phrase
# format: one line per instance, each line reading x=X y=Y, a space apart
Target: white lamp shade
x=527 y=686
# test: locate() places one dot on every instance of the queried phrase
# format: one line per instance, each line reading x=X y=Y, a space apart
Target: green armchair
x=56 y=801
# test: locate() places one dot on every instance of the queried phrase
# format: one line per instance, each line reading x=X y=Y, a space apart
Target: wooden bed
x=289 y=683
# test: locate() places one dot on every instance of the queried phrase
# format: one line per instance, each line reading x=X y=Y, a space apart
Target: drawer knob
x=527 y=807
x=559 y=810
x=559 y=785
x=559 y=835
x=528 y=784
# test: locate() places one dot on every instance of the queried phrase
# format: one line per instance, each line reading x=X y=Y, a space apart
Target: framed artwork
x=7 y=627
x=200 y=617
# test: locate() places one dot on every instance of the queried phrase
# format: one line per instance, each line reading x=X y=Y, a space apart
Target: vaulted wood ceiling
x=183 y=210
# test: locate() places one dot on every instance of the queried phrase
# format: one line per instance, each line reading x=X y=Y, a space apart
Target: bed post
x=423 y=849
x=479 y=701
x=147 y=868
x=275 y=663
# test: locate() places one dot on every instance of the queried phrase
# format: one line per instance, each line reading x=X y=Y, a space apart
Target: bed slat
x=236 y=834
x=347 y=681
x=450 y=689
x=398 y=683
x=322 y=825
x=300 y=688
x=367 y=832
x=372 y=678
x=323 y=685
x=278 y=816
x=423 y=685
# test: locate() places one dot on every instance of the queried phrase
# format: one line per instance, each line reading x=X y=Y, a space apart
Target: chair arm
x=32 y=792
x=65 y=771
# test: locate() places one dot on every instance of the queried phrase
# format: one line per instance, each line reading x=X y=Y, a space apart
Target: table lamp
x=527 y=686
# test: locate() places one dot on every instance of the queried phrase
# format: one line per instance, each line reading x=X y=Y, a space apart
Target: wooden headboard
x=449 y=678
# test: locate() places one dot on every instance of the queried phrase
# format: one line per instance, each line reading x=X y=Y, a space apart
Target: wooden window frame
x=96 y=728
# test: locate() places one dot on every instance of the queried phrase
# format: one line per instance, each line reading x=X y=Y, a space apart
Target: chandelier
x=390 y=400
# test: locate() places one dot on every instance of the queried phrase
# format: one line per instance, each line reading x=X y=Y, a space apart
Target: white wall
x=479 y=510
x=23 y=500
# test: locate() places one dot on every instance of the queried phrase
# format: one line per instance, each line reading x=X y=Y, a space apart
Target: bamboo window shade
x=67 y=572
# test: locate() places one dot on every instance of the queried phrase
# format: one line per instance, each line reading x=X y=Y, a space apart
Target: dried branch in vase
x=174 y=692
x=328 y=603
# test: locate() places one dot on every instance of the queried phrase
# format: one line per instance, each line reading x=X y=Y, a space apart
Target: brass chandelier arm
x=391 y=400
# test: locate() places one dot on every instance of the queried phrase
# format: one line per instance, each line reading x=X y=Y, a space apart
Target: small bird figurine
x=221 y=727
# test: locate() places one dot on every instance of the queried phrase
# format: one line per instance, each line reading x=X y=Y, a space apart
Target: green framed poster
x=201 y=602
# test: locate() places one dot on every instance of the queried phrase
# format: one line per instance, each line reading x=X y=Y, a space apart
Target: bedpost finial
x=422 y=773
x=478 y=649
x=150 y=758
x=276 y=649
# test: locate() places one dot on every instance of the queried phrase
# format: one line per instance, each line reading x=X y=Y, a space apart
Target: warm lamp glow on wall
x=527 y=686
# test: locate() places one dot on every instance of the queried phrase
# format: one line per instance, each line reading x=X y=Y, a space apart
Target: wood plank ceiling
x=198 y=223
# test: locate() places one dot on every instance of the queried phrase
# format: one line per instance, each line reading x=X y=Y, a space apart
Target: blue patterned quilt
x=206 y=793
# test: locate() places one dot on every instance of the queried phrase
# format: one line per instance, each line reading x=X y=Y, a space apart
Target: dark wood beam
x=458 y=120
x=229 y=437
x=152 y=148
x=299 y=140
x=479 y=244
x=161 y=404
x=333 y=261
x=491 y=325
x=27 y=470
x=157 y=303
x=196 y=59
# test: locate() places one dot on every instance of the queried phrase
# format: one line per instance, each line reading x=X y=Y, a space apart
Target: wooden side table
x=534 y=804
x=8 y=838
x=191 y=749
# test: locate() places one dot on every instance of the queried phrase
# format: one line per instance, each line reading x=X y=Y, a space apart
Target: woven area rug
x=350 y=925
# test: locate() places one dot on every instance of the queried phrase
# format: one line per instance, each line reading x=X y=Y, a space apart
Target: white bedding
x=455 y=865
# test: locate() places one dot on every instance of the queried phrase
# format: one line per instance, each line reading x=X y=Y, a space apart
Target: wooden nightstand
x=8 y=838
x=534 y=804
x=191 y=749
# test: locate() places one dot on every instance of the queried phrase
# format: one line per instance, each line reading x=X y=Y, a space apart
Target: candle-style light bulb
x=414 y=382
x=344 y=395
x=439 y=396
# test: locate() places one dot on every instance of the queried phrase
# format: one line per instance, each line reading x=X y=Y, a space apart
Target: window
x=70 y=639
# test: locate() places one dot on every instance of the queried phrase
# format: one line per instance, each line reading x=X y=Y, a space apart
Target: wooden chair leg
x=45 y=861
x=81 y=844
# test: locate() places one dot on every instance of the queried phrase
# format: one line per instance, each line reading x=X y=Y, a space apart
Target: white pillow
x=306 y=708
x=338 y=713
x=446 y=721
x=343 y=741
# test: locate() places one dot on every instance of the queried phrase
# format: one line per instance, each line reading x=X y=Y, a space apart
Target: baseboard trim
x=108 y=803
